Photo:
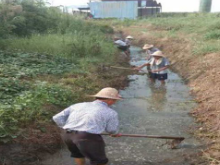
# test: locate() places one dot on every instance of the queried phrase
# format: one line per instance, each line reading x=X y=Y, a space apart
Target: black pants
x=124 y=48
x=86 y=145
x=160 y=77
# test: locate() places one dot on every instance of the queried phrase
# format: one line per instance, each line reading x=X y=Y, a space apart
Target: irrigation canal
x=152 y=110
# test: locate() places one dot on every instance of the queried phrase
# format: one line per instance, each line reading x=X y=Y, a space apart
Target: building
x=145 y=7
x=122 y=9
x=114 y=9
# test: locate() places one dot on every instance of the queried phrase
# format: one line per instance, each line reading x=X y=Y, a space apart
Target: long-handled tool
x=124 y=68
x=174 y=144
x=117 y=67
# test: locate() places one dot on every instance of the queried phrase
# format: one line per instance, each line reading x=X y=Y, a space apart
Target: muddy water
x=152 y=110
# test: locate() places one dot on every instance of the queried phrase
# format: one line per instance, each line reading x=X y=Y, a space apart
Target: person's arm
x=60 y=118
x=140 y=67
x=161 y=69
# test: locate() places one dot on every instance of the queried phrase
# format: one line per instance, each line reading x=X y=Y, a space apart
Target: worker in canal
x=121 y=45
x=149 y=50
x=128 y=41
x=158 y=67
x=84 y=122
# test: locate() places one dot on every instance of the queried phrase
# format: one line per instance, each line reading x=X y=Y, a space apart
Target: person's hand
x=154 y=71
x=137 y=68
x=115 y=135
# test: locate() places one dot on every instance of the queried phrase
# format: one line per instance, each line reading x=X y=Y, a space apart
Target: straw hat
x=130 y=37
x=147 y=46
x=108 y=93
x=158 y=53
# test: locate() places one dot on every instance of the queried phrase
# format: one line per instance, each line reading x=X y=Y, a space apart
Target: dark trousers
x=86 y=145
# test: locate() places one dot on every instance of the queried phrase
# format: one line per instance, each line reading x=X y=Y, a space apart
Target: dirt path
x=148 y=109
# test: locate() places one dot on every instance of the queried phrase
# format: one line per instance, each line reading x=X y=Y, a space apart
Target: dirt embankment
x=202 y=74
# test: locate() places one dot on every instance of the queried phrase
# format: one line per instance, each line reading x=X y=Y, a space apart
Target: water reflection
x=158 y=99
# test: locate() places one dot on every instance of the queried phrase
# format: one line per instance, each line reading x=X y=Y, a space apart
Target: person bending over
x=84 y=122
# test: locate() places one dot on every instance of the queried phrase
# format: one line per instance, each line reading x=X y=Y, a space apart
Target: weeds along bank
x=192 y=44
x=43 y=69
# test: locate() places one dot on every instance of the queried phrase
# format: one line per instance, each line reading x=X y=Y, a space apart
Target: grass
x=203 y=48
x=213 y=35
x=71 y=46
x=50 y=70
x=192 y=37
x=202 y=29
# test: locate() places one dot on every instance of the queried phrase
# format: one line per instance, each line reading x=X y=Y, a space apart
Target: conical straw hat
x=109 y=93
x=147 y=46
x=158 y=53
x=130 y=37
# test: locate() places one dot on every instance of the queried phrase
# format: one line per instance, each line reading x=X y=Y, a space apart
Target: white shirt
x=92 y=117
x=154 y=66
x=120 y=43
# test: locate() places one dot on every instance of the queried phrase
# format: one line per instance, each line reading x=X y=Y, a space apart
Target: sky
x=168 y=5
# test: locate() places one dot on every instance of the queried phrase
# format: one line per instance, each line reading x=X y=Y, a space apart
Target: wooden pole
x=117 y=67
x=150 y=136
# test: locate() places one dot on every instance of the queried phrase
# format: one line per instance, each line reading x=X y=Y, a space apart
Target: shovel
x=174 y=144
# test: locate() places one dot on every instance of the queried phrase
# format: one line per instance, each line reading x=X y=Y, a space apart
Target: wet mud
x=148 y=109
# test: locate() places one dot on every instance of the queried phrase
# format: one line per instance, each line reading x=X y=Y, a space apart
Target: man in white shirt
x=84 y=122
x=121 y=45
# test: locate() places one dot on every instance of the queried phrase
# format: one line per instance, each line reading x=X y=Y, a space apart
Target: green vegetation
x=202 y=29
x=48 y=60
x=69 y=45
